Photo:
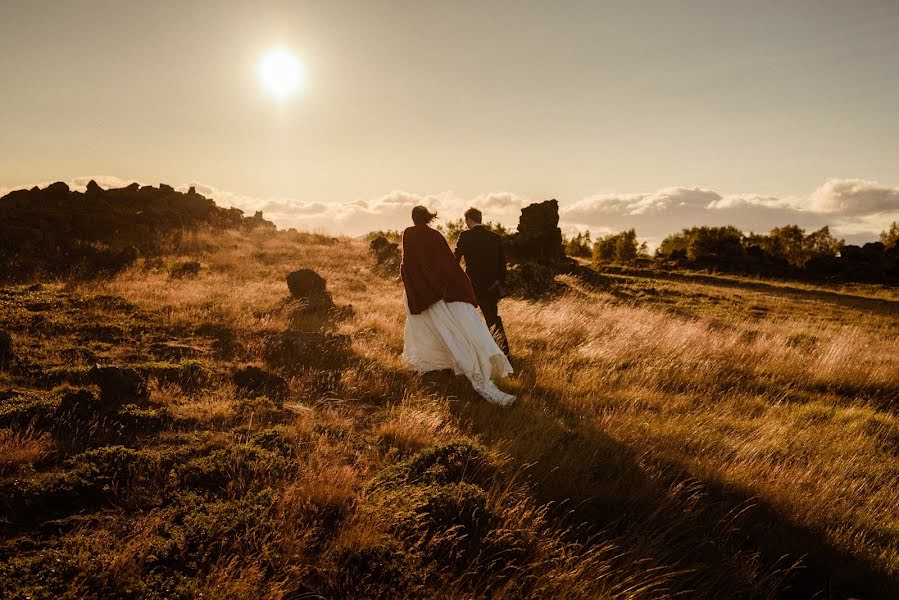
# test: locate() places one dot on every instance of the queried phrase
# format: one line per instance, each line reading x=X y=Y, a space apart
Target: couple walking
x=443 y=327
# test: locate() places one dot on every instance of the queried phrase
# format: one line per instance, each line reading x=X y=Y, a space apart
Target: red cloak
x=430 y=271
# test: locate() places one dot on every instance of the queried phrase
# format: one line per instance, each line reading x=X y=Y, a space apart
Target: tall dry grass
x=676 y=414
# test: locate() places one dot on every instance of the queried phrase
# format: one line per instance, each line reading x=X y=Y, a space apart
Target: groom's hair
x=473 y=214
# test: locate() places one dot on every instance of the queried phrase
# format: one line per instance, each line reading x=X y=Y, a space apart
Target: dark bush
x=386 y=254
x=7 y=351
x=20 y=411
x=453 y=462
x=256 y=382
x=119 y=385
x=91 y=479
x=276 y=439
x=242 y=467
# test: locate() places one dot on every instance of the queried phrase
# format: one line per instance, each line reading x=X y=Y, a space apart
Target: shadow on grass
x=721 y=540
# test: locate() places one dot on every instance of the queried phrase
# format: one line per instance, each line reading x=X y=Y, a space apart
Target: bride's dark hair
x=422 y=216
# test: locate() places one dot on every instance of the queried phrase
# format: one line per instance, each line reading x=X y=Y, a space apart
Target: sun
x=281 y=73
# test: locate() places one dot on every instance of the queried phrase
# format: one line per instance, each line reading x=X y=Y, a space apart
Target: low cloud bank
x=854 y=208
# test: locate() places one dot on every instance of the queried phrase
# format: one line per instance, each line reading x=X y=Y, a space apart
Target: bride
x=443 y=328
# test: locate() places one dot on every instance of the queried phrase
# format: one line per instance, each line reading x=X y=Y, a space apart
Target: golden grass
x=648 y=407
x=21 y=449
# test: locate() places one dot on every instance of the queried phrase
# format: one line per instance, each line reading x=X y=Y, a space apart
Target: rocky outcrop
x=536 y=253
x=57 y=231
x=538 y=238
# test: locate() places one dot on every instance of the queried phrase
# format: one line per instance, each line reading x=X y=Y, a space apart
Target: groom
x=485 y=263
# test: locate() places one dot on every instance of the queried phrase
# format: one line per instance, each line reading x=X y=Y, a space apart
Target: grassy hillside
x=675 y=435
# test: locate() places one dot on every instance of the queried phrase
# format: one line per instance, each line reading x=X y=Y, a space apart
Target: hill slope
x=705 y=437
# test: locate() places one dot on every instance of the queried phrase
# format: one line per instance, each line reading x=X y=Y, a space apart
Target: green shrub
x=454 y=462
x=91 y=479
x=22 y=411
x=276 y=439
x=243 y=466
x=618 y=247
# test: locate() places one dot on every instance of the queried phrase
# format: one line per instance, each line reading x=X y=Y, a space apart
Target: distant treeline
x=783 y=252
x=59 y=232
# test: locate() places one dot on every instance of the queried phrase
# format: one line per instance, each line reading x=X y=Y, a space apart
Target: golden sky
x=651 y=114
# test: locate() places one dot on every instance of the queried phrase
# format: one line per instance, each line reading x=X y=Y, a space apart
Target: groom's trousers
x=490 y=308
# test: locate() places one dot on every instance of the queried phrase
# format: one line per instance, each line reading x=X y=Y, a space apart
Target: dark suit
x=485 y=263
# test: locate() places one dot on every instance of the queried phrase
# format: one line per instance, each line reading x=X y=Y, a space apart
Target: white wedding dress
x=453 y=335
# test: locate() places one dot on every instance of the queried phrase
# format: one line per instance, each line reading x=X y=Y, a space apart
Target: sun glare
x=281 y=73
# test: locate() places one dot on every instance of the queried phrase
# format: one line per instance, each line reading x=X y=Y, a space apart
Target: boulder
x=7 y=351
x=306 y=284
x=254 y=381
x=166 y=189
x=311 y=305
x=119 y=386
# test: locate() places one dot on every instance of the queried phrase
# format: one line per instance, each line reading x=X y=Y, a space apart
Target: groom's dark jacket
x=485 y=260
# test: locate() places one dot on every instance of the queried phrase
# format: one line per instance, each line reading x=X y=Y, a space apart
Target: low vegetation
x=675 y=435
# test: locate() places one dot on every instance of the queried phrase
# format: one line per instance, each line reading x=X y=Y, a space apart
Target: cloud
x=854 y=197
x=666 y=200
x=500 y=201
x=388 y=211
x=854 y=208
x=750 y=200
